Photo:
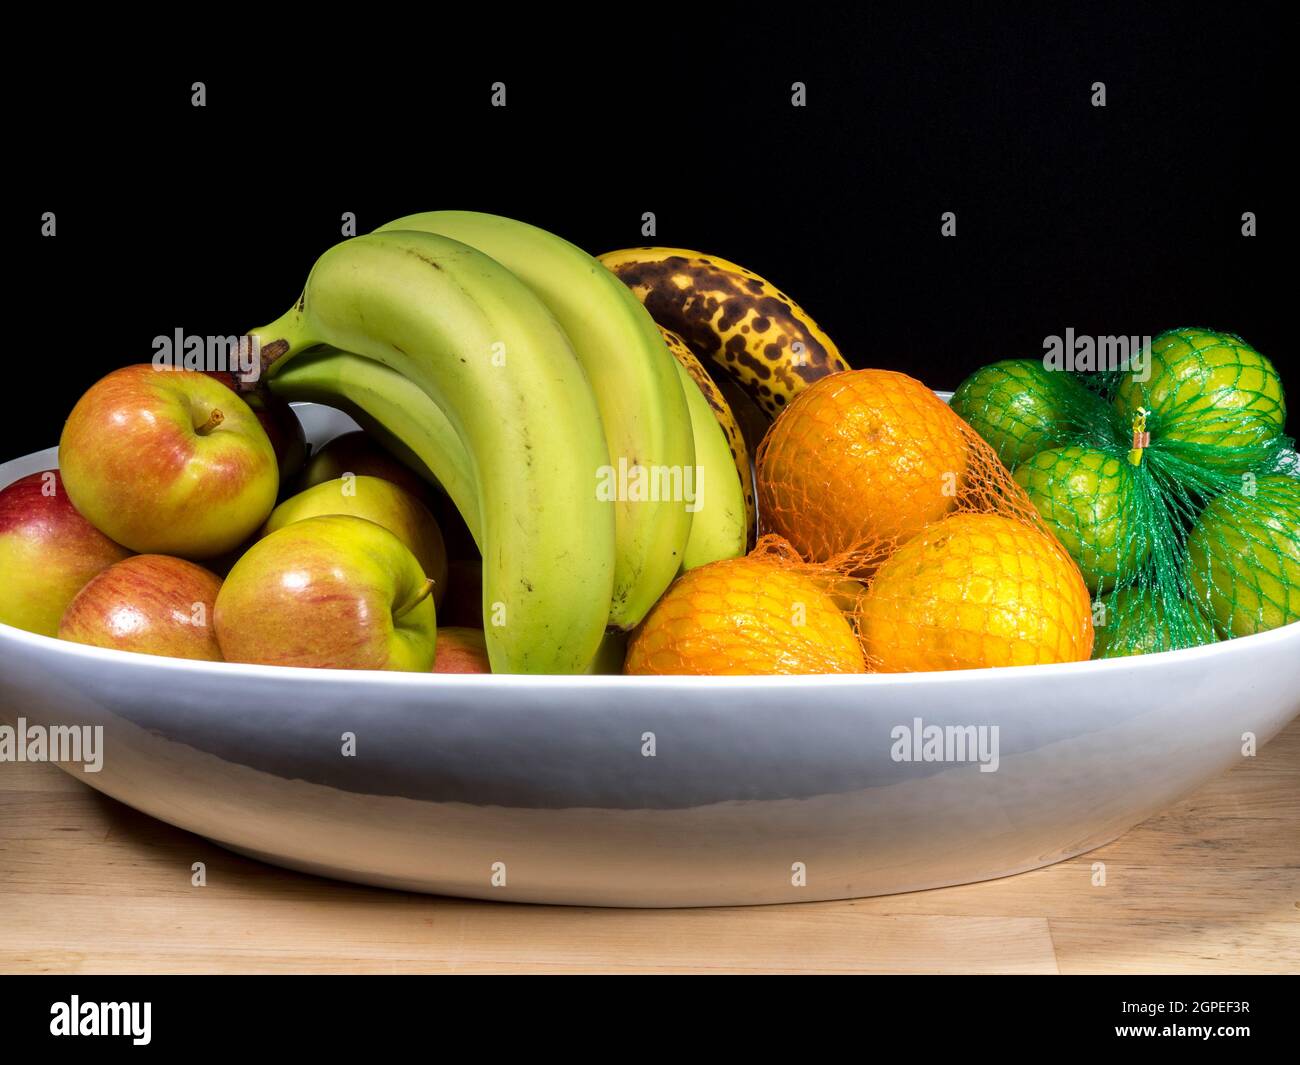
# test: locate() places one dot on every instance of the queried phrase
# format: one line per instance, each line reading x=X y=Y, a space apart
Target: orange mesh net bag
x=893 y=540
x=872 y=488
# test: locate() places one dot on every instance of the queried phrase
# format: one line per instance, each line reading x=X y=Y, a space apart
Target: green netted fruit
x=1211 y=397
x=1135 y=622
x=1088 y=499
x=1015 y=405
x=1243 y=557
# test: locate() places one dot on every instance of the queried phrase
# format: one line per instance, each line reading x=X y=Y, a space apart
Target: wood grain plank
x=1175 y=945
x=36 y=776
x=1211 y=885
x=205 y=932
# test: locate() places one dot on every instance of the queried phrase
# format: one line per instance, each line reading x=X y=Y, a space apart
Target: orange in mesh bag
x=871 y=490
x=743 y=616
x=860 y=461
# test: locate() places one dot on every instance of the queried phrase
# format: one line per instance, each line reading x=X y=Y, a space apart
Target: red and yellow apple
x=335 y=592
x=150 y=604
x=282 y=426
x=461 y=650
x=168 y=462
x=48 y=552
x=382 y=502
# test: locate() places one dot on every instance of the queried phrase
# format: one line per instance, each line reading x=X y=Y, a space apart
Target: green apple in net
x=1087 y=498
x=1016 y=405
x=1210 y=396
x=1243 y=556
x=1139 y=621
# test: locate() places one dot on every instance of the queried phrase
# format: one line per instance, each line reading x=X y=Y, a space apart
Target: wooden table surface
x=88 y=885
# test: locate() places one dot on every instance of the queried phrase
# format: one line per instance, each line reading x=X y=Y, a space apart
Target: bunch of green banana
x=477 y=342
x=732 y=317
x=409 y=424
x=513 y=368
x=641 y=405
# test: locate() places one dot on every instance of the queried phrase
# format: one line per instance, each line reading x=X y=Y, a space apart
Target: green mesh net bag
x=1170 y=483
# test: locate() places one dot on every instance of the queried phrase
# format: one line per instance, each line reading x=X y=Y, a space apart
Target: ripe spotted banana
x=394 y=410
x=642 y=407
x=732 y=317
x=720 y=413
x=490 y=355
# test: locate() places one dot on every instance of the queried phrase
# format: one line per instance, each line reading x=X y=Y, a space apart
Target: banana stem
x=275 y=342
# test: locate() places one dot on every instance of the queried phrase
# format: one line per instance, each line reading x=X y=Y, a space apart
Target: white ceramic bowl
x=538 y=789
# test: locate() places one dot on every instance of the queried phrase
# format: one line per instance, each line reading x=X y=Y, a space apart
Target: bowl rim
x=38 y=643
x=42 y=645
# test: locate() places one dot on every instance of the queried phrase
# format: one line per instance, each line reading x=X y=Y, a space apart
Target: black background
x=1117 y=220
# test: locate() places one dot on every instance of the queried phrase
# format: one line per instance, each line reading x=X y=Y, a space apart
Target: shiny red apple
x=48 y=552
x=168 y=462
x=150 y=604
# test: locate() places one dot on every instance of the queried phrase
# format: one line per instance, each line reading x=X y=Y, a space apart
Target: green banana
x=494 y=360
x=719 y=528
x=726 y=420
x=642 y=406
x=394 y=410
x=401 y=417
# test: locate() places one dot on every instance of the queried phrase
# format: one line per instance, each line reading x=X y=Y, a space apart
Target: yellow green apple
x=356 y=453
x=168 y=462
x=334 y=592
x=382 y=502
x=48 y=552
x=150 y=604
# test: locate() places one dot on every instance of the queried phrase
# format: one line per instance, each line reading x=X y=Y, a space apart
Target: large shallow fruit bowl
x=652 y=791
